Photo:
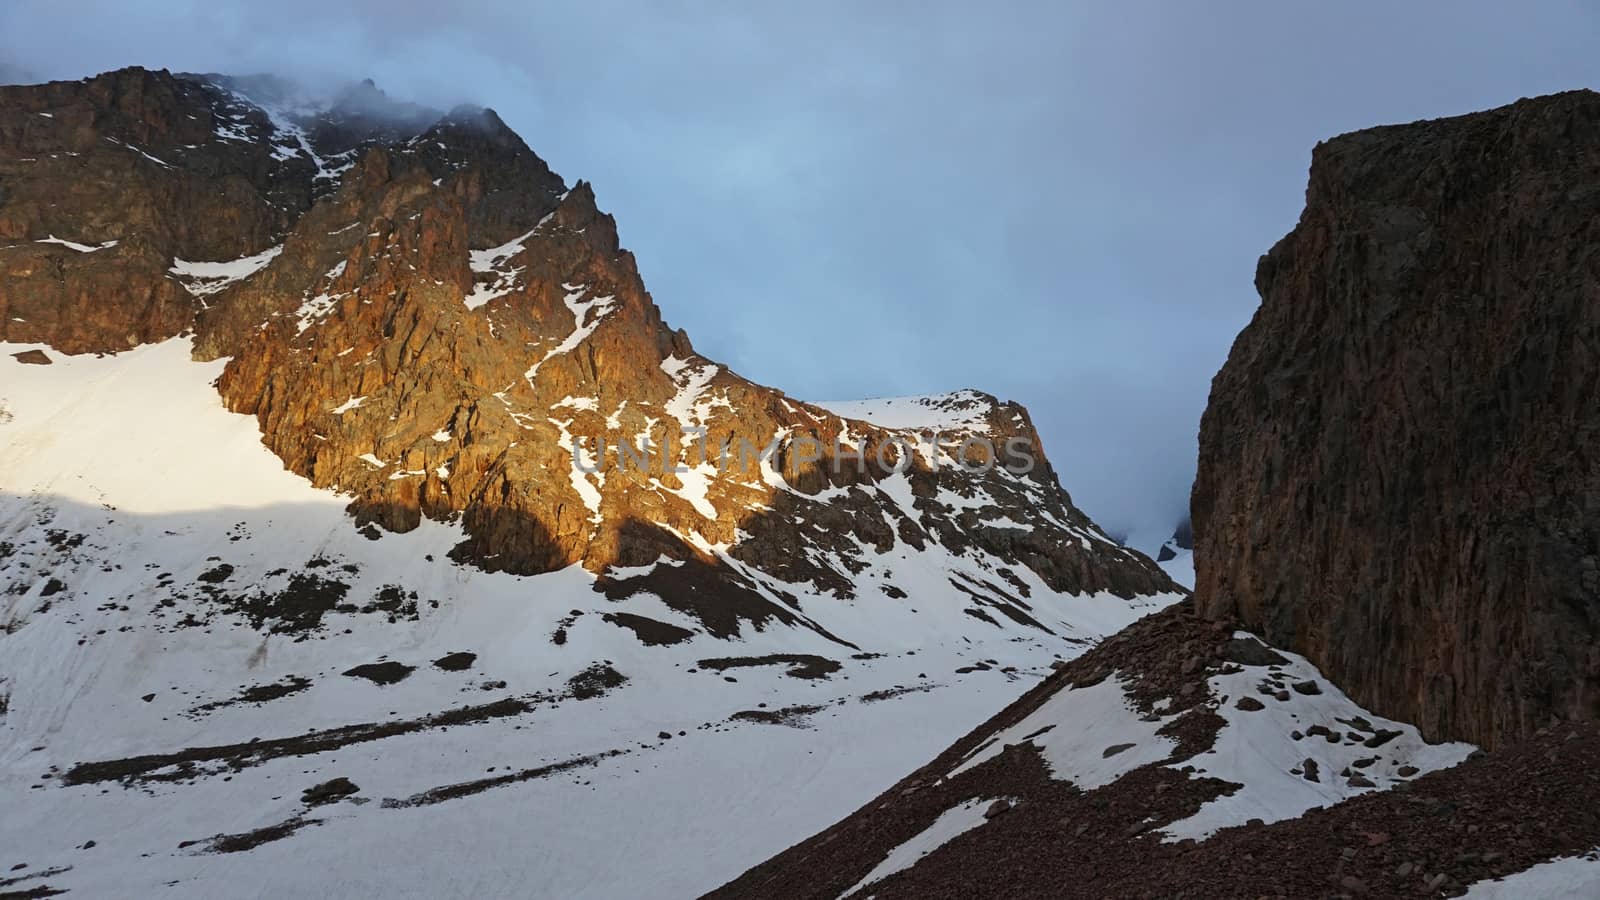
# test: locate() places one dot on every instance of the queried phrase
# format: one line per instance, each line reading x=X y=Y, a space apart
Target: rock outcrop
x=1397 y=468
x=424 y=317
x=1075 y=823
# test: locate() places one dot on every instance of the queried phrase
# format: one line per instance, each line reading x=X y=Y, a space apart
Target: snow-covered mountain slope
x=314 y=579
x=1182 y=756
x=1567 y=878
x=183 y=616
x=960 y=411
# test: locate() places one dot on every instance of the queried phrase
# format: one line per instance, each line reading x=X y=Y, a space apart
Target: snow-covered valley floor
x=148 y=542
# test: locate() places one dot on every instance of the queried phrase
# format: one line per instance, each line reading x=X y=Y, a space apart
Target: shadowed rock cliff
x=1398 y=474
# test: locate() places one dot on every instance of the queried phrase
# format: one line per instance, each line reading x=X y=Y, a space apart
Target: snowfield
x=531 y=746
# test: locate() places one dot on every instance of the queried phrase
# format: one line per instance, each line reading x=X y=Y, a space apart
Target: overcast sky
x=1059 y=203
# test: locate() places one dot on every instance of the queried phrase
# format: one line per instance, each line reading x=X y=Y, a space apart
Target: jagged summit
x=528 y=329
x=345 y=456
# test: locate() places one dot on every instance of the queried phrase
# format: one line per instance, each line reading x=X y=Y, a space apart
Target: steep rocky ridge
x=325 y=567
x=422 y=316
x=1397 y=470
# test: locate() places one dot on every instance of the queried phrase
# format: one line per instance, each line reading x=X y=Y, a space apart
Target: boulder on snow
x=328 y=791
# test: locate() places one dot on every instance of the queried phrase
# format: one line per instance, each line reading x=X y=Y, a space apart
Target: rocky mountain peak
x=423 y=317
x=344 y=450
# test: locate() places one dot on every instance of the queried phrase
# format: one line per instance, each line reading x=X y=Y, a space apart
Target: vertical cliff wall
x=1399 y=474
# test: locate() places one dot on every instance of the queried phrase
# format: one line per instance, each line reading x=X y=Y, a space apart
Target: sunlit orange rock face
x=1398 y=475
x=423 y=316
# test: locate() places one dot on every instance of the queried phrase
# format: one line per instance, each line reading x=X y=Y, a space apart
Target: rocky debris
x=1353 y=884
x=330 y=791
x=1396 y=477
x=1380 y=737
x=597 y=680
x=194 y=762
x=480 y=785
x=800 y=665
x=249 y=840
x=1495 y=814
x=797 y=716
x=217 y=575
x=893 y=692
x=387 y=672
x=1249 y=704
x=392 y=600
x=9 y=892
x=1247 y=651
x=258 y=693
x=33 y=358
x=1333 y=737
x=297 y=608
x=998 y=807
x=455 y=662
x=1308 y=688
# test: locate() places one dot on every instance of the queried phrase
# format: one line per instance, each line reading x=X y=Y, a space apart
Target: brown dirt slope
x=1493 y=815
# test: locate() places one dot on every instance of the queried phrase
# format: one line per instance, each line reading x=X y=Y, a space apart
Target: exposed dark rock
x=388 y=672
x=188 y=762
x=800 y=665
x=456 y=662
x=260 y=693
x=791 y=716
x=328 y=792
x=650 y=632
x=453 y=423
x=1251 y=652
x=596 y=681
x=1397 y=475
x=222 y=572
x=1057 y=837
x=1183 y=535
